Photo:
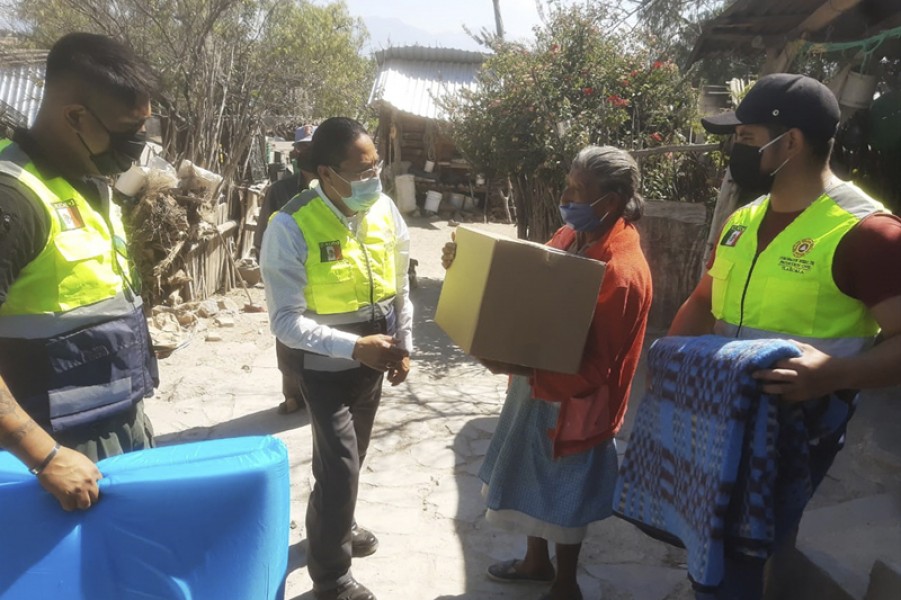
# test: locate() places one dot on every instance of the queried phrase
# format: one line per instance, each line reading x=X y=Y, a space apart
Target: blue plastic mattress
x=207 y=520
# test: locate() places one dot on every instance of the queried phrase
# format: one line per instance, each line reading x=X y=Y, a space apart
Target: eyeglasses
x=360 y=176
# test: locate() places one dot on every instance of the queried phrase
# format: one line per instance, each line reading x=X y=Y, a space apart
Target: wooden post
x=726 y=204
x=396 y=135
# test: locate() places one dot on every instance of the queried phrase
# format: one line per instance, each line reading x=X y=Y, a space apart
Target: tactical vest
x=72 y=313
x=787 y=290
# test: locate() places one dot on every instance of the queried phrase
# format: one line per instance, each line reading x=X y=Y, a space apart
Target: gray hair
x=616 y=171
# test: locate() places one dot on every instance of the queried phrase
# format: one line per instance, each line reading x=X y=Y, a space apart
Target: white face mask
x=770 y=143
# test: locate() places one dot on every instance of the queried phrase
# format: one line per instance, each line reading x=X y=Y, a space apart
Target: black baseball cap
x=793 y=101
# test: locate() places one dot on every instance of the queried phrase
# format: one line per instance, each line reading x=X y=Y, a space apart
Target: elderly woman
x=551 y=466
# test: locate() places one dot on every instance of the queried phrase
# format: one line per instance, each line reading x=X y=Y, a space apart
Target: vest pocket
x=81 y=244
x=719 y=272
x=96 y=372
x=787 y=306
x=332 y=288
x=76 y=406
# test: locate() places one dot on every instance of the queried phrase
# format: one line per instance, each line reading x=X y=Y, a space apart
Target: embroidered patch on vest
x=731 y=237
x=330 y=251
x=69 y=217
x=802 y=247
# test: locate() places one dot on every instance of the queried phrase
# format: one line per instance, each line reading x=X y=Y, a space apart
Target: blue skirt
x=530 y=492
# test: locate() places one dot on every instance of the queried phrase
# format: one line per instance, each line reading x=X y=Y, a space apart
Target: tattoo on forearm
x=12 y=439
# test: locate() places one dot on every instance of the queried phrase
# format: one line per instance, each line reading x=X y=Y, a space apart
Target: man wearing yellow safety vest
x=75 y=356
x=334 y=262
x=813 y=260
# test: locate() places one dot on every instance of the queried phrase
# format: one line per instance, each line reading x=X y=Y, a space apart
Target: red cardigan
x=593 y=401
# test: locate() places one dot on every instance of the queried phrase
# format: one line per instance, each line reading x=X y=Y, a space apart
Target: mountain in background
x=385 y=32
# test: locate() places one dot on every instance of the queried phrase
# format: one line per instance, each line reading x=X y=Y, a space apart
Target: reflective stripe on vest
x=345 y=274
x=78 y=265
x=70 y=315
x=787 y=291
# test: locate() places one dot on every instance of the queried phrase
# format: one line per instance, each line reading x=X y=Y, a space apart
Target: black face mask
x=744 y=164
x=124 y=150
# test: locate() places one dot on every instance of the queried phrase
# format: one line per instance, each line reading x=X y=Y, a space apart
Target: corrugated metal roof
x=748 y=26
x=21 y=85
x=411 y=78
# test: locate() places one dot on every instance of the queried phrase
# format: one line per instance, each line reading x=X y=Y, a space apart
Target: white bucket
x=406 y=193
x=432 y=201
x=429 y=166
x=858 y=90
x=457 y=201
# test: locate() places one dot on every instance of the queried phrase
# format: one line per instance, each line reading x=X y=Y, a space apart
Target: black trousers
x=342 y=407
x=290 y=381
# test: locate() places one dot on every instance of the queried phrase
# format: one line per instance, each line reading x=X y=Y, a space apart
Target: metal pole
x=498 y=21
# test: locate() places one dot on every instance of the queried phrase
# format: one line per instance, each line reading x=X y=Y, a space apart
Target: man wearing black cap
x=813 y=259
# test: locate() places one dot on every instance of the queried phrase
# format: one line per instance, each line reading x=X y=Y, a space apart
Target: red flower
x=656 y=136
x=633 y=73
x=617 y=100
x=587 y=91
x=657 y=64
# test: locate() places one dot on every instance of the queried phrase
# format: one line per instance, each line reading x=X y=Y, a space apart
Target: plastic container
x=858 y=90
x=432 y=201
x=132 y=181
x=457 y=201
x=405 y=197
x=429 y=166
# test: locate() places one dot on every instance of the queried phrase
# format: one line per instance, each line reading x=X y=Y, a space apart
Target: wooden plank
x=675 y=149
x=828 y=12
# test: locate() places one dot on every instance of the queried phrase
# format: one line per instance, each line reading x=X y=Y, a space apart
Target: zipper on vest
x=371 y=286
x=744 y=292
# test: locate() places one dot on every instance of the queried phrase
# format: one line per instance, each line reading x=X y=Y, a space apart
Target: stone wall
x=673 y=236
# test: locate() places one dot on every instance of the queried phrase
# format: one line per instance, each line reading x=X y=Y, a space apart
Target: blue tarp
x=206 y=520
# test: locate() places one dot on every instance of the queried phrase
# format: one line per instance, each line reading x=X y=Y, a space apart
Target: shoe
x=351 y=590
x=362 y=542
x=506 y=572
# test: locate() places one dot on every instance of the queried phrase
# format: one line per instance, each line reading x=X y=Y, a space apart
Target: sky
x=440 y=22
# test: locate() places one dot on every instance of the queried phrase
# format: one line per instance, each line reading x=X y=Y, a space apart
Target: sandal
x=288 y=406
x=506 y=572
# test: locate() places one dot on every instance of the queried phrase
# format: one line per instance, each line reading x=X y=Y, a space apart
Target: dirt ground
x=419 y=490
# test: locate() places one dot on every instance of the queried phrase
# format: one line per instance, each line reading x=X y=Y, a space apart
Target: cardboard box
x=518 y=302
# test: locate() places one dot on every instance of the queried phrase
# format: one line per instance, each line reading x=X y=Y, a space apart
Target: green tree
x=231 y=69
x=582 y=81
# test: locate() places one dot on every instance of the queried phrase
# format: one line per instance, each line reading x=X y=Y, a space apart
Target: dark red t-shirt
x=867 y=263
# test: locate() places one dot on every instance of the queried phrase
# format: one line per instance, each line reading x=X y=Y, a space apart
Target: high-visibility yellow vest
x=71 y=314
x=345 y=273
x=788 y=291
x=79 y=264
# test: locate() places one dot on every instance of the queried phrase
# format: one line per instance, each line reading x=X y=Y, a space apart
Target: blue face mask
x=363 y=193
x=581 y=217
